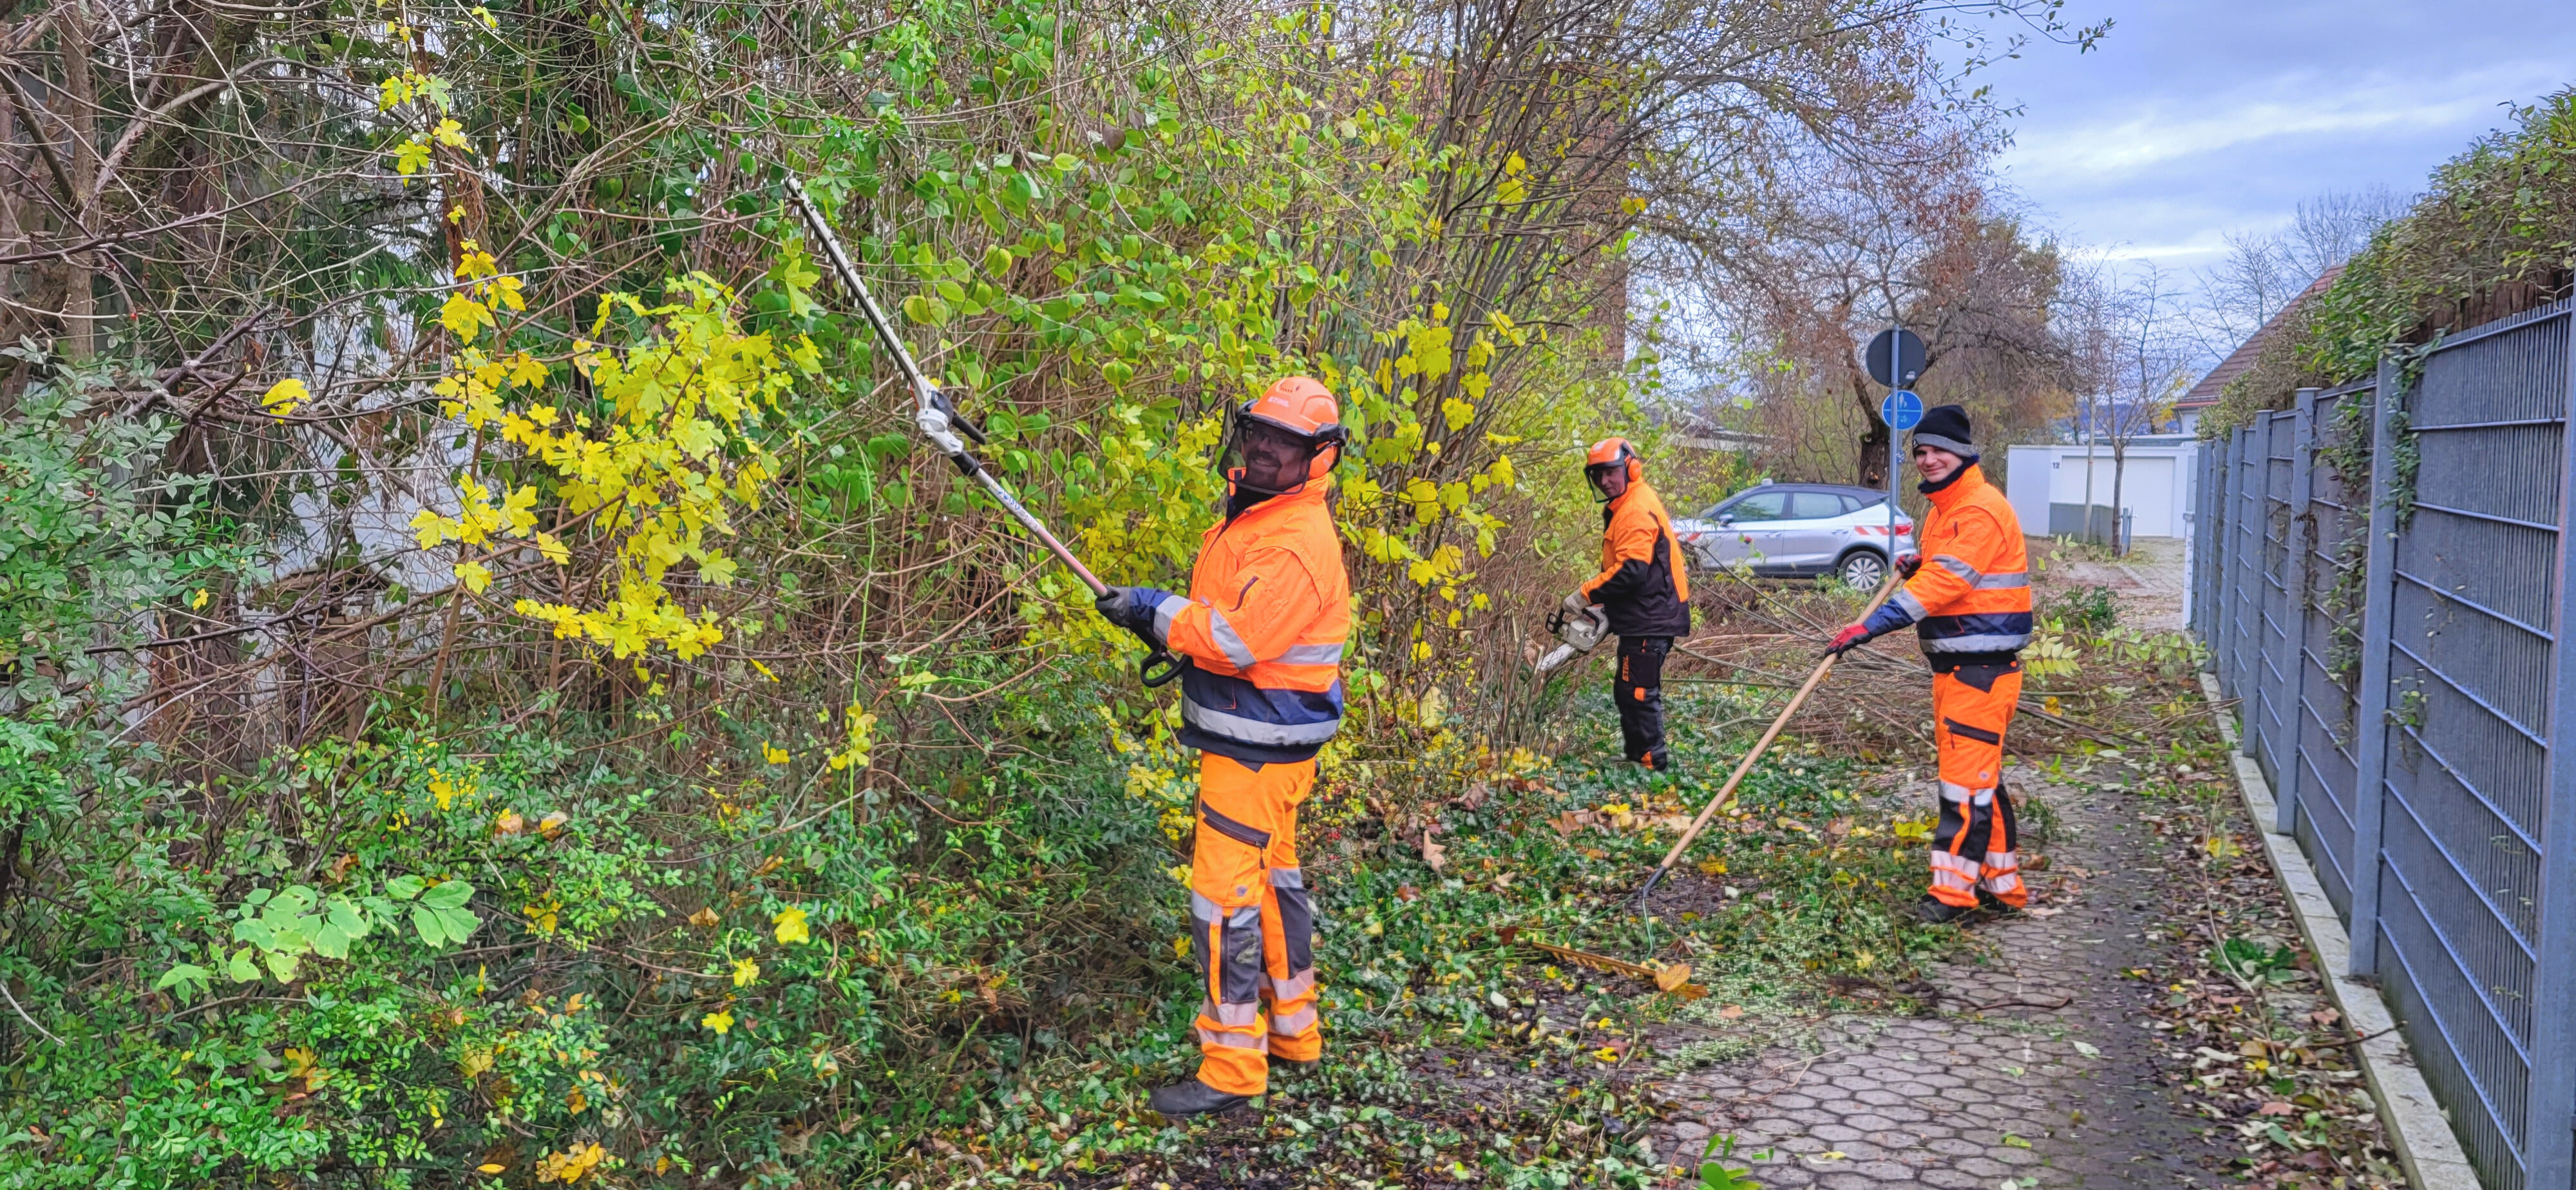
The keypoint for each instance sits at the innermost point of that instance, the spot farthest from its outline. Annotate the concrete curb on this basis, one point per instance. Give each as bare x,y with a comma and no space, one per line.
2417,1127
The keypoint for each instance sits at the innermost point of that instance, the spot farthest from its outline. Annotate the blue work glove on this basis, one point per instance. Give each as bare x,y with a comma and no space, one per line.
1132,608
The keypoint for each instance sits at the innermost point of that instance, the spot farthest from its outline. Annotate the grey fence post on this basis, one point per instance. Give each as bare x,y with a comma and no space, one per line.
2370,719
2294,583
2217,509
2249,586
2549,1145
2230,590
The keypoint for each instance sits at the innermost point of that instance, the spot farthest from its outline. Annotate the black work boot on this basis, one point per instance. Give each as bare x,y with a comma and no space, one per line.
1190,1097
1990,903
1938,912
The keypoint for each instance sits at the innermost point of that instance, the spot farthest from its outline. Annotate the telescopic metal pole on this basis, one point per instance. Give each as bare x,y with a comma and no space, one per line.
934,414
939,421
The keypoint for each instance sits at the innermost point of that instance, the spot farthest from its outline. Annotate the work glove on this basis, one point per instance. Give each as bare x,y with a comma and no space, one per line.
1132,608
1907,564
1576,603
1851,637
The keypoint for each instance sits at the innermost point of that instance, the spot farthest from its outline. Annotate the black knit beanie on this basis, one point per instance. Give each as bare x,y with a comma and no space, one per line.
1946,426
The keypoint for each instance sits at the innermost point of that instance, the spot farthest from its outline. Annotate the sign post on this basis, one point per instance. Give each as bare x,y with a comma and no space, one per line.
1895,358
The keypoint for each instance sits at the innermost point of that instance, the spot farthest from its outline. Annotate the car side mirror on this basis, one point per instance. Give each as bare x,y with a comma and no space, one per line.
1726,518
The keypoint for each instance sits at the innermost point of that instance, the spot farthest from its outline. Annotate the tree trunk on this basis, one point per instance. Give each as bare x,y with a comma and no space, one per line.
80,300
2119,472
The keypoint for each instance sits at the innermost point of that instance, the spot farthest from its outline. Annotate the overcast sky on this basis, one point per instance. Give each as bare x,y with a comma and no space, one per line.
2199,117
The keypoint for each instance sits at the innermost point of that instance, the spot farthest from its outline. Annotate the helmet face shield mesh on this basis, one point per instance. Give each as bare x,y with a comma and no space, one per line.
1267,458
1609,479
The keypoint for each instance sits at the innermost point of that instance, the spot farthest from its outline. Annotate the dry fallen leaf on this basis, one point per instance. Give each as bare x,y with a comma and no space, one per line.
1672,976
1712,867
703,918
1432,853
1731,1011
553,824
1475,795
509,823
1406,892
2276,1108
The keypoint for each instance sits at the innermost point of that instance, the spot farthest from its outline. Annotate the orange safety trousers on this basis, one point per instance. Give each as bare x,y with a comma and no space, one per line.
1253,923
1974,844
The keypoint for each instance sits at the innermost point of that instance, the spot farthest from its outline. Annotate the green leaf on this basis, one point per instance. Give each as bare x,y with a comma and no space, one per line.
189,978
460,923
257,931
282,965
451,895
240,966
346,918
432,930
331,942
403,888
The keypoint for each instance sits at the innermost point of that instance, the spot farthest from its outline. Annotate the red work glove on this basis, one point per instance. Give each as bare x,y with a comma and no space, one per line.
1907,564
1851,637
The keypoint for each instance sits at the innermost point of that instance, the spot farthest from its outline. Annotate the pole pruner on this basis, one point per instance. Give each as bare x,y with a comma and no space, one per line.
939,420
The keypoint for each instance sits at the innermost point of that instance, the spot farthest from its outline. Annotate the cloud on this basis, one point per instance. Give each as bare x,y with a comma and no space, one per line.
2304,106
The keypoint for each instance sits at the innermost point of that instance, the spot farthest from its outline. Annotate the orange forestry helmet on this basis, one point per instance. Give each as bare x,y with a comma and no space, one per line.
1277,442
1609,456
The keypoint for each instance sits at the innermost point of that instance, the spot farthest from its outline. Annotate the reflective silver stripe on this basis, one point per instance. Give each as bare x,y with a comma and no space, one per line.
1905,601
1952,880
1312,655
1294,1023
1240,1041
1246,918
1203,910
1231,1014
1996,642
1944,861
1968,574
1254,731
2003,582
1287,878
1949,792
2001,861
1293,986
1163,613
1999,885
1235,650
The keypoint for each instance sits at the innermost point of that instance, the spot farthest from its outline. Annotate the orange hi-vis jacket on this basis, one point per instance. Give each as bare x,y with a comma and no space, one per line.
1972,595
1268,612
1644,585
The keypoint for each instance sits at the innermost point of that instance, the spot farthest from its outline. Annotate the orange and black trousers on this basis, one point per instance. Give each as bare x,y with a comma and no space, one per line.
1252,923
1975,844
1638,691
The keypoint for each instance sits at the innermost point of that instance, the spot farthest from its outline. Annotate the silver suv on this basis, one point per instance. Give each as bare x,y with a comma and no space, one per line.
1797,529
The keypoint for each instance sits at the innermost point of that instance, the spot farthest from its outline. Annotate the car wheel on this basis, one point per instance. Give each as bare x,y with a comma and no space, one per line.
1862,570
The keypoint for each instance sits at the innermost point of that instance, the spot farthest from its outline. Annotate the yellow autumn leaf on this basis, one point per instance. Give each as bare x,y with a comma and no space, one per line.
526,372
745,972
282,397
199,599
464,317
451,134
721,1022
1181,947
791,925
488,1168
476,576
773,753
410,155
553,549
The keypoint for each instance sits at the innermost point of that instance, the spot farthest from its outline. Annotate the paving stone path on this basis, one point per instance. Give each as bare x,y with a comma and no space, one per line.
1997,1090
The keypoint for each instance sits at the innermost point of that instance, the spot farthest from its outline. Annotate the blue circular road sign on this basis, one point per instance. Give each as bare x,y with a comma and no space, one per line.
1902,410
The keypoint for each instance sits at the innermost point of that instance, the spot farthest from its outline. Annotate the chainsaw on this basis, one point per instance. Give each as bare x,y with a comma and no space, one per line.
1576,635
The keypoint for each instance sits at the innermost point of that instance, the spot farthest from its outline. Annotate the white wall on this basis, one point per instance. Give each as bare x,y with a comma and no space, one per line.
2155,491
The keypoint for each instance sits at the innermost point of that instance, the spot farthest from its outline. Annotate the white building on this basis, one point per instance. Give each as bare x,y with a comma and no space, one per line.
2046,486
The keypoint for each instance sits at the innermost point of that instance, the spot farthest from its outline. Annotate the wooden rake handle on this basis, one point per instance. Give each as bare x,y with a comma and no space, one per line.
1726,794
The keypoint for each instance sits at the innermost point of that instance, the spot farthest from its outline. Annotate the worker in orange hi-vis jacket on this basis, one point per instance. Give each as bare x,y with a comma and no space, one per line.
1643,590
1969,601
1262,630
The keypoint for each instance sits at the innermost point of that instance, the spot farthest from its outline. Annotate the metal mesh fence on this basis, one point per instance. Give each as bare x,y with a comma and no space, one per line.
2379,576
